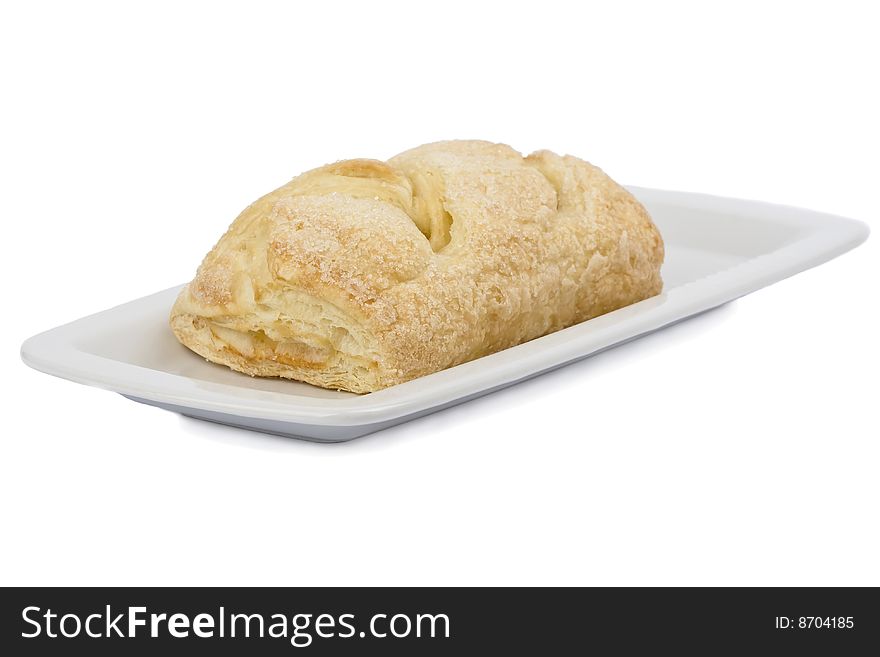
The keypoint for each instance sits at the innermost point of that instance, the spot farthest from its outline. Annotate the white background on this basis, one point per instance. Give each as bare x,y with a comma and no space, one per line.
738,448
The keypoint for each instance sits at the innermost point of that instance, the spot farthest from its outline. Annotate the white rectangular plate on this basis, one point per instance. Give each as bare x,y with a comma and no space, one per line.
717,249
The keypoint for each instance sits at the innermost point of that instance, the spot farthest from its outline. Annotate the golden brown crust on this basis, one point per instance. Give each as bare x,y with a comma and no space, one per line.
363,274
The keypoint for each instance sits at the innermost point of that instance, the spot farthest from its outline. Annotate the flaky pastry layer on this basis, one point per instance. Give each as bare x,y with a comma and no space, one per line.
364,274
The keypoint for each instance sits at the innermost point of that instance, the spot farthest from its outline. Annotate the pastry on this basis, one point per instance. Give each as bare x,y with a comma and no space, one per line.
364,274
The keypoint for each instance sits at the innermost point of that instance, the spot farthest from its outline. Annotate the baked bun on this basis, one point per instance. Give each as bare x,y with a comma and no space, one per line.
364,274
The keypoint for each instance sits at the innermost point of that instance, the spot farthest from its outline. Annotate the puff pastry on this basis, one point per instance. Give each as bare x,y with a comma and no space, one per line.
364,274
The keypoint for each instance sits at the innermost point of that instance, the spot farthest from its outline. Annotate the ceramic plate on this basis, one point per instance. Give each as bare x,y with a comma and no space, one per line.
717,249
